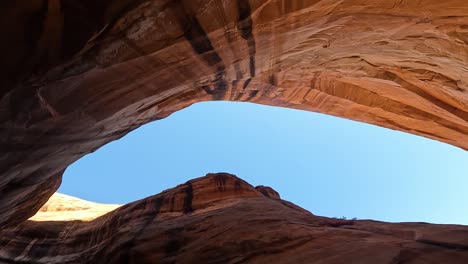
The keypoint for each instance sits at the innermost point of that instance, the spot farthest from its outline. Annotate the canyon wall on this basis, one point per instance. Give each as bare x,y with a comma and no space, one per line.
220,218
78,74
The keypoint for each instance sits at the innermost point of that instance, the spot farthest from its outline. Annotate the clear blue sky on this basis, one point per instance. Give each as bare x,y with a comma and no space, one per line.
327,165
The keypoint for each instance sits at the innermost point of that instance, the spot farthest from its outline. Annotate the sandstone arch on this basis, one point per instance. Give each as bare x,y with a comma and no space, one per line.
78,74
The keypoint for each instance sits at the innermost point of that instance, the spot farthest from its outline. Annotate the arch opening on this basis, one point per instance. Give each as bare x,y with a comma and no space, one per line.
330,166
88,84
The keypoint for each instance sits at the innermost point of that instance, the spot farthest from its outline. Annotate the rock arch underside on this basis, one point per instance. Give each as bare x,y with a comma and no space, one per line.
77,74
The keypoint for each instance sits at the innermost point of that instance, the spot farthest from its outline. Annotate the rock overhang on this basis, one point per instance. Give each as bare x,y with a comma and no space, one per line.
70,87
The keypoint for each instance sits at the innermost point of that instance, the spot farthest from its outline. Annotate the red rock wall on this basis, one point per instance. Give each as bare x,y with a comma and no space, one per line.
222,219
76,75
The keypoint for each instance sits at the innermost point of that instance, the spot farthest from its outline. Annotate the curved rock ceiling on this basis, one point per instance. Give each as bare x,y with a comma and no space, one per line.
78,74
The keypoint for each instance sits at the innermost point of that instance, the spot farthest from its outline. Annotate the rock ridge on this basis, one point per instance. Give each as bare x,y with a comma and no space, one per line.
220,218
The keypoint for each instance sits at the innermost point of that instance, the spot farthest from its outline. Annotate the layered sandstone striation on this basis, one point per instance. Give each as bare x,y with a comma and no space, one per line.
220,218
78,74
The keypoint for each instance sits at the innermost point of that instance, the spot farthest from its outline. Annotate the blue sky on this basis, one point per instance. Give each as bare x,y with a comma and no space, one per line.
330,166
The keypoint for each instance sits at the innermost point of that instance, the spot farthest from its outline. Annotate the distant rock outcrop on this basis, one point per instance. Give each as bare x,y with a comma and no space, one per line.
220,218
268,192
61,207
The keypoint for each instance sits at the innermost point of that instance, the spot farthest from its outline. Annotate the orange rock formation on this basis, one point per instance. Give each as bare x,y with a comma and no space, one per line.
223,219
78,74
61,207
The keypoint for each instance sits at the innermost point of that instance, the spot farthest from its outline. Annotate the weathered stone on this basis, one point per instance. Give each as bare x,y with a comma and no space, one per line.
78,74
222,219
61,207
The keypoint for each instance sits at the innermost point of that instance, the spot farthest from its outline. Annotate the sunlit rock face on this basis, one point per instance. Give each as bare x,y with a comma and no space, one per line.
220,218
78,74
61,207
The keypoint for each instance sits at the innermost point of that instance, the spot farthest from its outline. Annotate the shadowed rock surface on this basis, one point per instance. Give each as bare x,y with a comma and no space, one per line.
77,74
220,218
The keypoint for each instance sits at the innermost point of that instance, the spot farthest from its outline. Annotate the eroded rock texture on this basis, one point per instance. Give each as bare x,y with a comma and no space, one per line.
77,74
223,219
